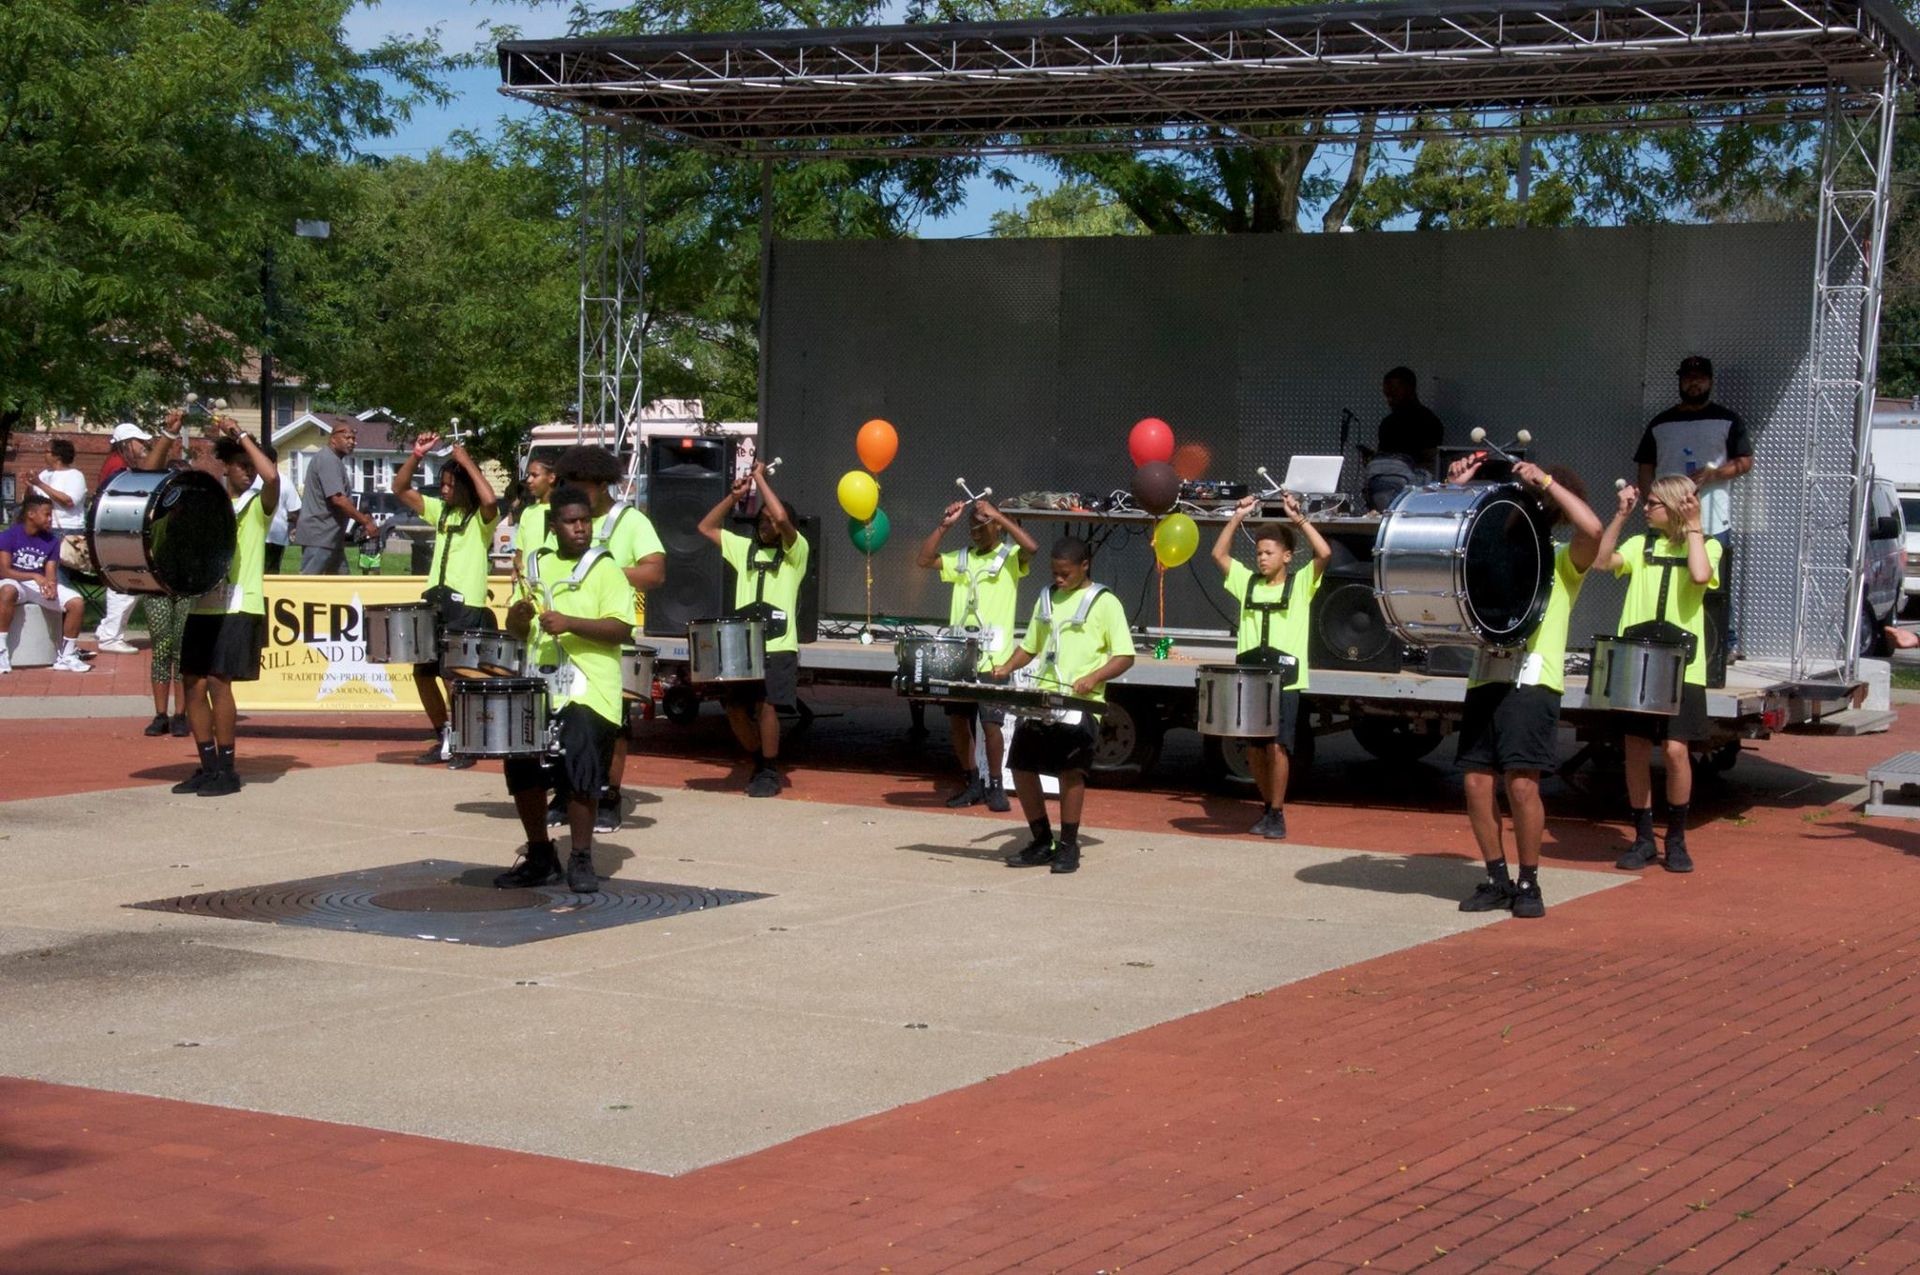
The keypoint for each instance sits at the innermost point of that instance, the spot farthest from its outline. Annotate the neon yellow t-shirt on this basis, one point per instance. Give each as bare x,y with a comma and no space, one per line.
1686,601
782,580
531,534
1286,630
1543,660
242,593
986,595
1082,648
460,542
601,594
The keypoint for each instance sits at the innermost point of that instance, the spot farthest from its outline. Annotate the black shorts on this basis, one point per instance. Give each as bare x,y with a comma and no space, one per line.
455,617
586,750
991,714
1507,728
1289,720
1689,725
223,646
1053,748
781,688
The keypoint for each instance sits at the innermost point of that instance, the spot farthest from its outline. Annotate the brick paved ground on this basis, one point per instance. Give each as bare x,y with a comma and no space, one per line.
1695,1073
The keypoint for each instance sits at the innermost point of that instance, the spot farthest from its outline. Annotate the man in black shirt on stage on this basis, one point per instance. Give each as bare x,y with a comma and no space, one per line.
1410,436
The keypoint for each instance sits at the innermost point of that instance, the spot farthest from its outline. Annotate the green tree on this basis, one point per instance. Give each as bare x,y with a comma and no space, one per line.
150,154
1069,209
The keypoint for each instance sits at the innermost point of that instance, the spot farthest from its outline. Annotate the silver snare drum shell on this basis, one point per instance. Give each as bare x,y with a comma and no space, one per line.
636,672
399,633
733,649
946,657
1637,675
498,717
481,653
162,532
1238,701
1463,564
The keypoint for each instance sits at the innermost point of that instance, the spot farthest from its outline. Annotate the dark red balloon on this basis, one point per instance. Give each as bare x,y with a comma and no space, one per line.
1151,442
1156,487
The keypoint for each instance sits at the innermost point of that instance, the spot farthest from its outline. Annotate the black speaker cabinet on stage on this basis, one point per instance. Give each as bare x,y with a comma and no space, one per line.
1718,605
1346,630
685,478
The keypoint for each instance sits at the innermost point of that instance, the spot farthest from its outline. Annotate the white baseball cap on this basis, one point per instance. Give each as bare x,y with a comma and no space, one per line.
127,429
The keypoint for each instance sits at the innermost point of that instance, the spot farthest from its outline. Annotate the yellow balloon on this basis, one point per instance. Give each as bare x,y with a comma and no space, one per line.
1175,539
859,494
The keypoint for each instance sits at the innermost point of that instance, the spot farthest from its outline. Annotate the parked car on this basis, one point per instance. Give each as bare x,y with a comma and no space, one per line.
1886,564
1910,514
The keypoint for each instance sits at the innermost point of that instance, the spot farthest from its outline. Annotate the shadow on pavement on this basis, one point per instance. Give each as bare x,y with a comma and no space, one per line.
1396,874
106,1252
255,768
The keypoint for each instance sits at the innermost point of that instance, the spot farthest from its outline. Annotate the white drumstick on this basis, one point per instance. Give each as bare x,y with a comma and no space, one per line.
1524,437
1619,484
984,493
1477,434
961,483
773,464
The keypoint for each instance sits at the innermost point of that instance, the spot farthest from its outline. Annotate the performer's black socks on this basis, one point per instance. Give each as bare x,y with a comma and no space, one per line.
209,756
1069,834
1498,874
1042,830
1643,823
1677,821
1528,875
226,761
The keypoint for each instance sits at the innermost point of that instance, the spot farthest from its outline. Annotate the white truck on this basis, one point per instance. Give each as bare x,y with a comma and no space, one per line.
1896,460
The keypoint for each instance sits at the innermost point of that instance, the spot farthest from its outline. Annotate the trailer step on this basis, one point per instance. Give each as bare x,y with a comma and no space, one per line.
1901,773
1849,721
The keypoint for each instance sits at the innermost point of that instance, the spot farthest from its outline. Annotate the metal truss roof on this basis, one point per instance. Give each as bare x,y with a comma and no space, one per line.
1063,83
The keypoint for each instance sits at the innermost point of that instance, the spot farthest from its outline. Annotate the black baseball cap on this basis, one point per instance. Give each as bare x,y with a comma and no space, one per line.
1696,363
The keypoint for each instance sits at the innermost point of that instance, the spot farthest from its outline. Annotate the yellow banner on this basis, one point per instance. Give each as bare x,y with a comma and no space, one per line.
316,655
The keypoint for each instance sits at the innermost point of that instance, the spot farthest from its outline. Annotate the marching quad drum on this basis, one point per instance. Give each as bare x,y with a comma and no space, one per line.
400,633
925,660
1241,701
636,672
162,532
733,649
1637,674
1472,565
498,717
482,653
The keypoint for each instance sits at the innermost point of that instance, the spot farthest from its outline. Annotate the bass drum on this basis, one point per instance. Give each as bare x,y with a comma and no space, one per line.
1463,565
162,532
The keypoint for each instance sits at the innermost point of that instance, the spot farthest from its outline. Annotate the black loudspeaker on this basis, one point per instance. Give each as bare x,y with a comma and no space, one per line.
1718,605
685,478
809,617
1346,630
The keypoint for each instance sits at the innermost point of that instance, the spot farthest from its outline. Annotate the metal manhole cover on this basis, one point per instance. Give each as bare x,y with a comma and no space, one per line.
443,901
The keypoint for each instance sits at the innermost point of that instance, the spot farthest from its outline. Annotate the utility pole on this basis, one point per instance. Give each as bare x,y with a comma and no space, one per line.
305,229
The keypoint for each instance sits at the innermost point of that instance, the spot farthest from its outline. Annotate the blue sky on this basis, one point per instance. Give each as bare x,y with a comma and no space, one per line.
477,102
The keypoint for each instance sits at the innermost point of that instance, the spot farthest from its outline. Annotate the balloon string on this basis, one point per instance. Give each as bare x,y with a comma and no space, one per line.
868,557
1163,596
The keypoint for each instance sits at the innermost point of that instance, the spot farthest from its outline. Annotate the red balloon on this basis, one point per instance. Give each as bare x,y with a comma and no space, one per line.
1151,442
1156,487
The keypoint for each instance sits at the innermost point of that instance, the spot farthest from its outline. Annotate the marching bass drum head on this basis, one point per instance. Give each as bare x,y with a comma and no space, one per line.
1509,567
181,526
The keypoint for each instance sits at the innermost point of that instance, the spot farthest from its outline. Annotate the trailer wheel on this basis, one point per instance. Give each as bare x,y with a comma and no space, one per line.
681,704
1129,741
1724,758
1391,739
1226,760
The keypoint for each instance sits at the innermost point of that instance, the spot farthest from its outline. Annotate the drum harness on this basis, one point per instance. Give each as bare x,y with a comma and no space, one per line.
970,618
760,609
552,674
438,593
1050,654
1660,628
1265,653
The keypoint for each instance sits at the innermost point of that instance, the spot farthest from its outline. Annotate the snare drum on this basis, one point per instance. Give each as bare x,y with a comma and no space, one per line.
1637,674
733,649
400,633
1455,565
479,653
166,531
498,717
636,672
947,657
1241,701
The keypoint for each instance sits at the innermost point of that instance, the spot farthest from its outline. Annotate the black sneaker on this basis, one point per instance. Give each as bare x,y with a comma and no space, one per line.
1527,901
1678,860
1066,857
580,875
432,757
997,798
1032,855
1259,828
223,783
193,782
180,728
1639,855
158,726
460,763
972,795
765,783
1489,896
1276,829
607,817
538,865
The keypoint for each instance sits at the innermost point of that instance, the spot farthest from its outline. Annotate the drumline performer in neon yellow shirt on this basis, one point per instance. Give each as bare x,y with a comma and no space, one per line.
227,628
579,616
1509,728
629,537
1079,634
985,575
530,530
1275,608
1660,592
462,517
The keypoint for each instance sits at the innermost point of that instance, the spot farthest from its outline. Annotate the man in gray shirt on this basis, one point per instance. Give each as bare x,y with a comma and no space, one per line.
326,508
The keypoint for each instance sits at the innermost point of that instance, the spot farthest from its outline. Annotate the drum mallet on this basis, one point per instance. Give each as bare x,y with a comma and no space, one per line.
1521,439
973,498
772,465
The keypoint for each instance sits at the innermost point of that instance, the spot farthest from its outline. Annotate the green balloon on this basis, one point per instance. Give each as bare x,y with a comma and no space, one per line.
868,536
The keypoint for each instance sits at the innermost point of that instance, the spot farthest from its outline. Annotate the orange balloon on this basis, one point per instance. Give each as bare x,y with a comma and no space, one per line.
876,444
1192,460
